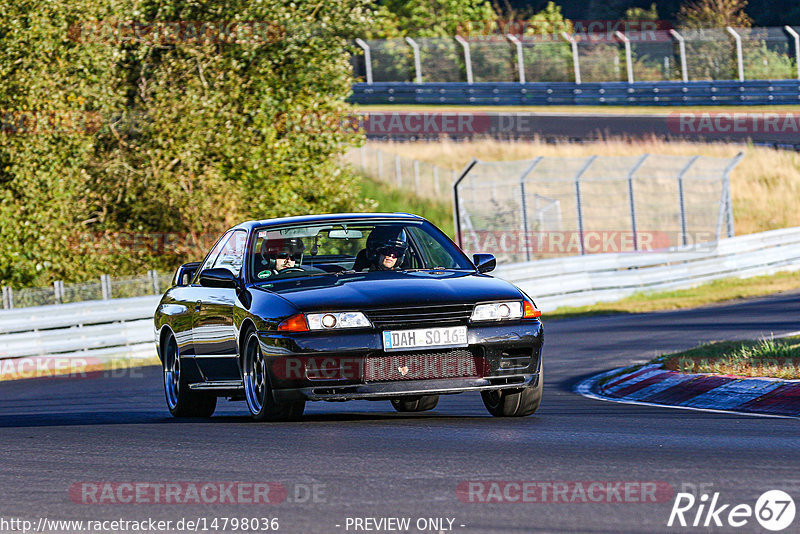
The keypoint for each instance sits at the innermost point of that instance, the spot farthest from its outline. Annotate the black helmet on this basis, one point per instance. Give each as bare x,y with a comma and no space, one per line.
386,238
274,247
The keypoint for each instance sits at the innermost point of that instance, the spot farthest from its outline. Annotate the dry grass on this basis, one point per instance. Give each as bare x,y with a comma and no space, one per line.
765,185
776,358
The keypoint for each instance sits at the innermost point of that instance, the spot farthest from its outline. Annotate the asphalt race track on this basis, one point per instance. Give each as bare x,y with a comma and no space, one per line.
368,461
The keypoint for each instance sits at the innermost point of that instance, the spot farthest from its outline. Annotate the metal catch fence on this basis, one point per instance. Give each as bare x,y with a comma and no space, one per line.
769,53
106,288
525,210
423,178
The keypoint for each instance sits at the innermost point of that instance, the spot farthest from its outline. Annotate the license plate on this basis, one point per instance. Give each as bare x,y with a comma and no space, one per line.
443,336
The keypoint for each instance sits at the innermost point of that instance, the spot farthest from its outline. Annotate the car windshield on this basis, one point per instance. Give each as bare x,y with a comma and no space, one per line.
342,247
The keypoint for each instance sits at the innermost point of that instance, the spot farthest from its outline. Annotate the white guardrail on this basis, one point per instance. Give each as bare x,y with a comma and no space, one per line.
124,327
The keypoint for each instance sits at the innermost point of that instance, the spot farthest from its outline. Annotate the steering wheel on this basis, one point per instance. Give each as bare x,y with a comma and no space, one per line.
292,270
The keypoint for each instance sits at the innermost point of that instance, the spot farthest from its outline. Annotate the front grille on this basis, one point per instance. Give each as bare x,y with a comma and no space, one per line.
420,316
453,363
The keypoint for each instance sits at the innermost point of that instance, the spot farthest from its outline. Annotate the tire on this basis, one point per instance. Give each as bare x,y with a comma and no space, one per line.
257,390
182,401
415,404
514,402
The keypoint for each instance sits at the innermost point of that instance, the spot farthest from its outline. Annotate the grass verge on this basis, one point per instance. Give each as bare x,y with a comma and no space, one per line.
774,358
712,293
383,197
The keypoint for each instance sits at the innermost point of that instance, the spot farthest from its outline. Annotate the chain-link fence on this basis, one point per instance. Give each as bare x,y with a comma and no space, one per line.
659,55
424,179
523,210
106,287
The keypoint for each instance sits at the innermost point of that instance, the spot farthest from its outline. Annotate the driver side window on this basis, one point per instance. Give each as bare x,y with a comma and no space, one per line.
231,255
212,256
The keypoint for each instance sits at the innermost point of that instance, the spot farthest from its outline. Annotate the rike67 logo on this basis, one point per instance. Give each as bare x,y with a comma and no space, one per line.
774,510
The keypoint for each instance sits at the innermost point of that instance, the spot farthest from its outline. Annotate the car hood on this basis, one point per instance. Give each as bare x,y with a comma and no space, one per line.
391,289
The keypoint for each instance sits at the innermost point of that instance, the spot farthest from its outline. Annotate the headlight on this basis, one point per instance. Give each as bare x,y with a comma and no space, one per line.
333,320
497,311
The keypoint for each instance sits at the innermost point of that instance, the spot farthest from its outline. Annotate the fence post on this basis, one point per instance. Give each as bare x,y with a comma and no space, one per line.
578,199
576,65
367,59
8,298
726,181
681,197
154,278
363,158
58,291
467,58
682,50
456,207
520,60
796,38
628,55
436,179
739,60
524,206
398,172
416,176
417,62
105,286
379,158
632,199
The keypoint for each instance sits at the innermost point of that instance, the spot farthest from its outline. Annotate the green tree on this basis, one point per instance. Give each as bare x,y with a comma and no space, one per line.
196,134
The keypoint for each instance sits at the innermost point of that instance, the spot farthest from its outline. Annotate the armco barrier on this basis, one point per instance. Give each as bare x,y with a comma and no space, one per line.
584,280
124,327
700,93
103,329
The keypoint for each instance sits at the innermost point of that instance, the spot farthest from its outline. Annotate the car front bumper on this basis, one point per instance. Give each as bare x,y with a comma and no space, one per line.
391,390
507,356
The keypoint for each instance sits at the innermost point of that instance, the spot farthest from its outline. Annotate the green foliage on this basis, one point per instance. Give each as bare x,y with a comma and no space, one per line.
549,21
196,135
441,18
640,13
714,14
551,59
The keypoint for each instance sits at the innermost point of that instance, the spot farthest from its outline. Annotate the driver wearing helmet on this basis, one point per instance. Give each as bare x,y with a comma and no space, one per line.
386,248
280,254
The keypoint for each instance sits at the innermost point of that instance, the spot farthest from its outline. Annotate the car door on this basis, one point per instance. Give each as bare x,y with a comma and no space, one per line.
214,333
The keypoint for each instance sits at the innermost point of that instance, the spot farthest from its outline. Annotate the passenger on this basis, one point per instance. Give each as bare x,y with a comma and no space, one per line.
386,248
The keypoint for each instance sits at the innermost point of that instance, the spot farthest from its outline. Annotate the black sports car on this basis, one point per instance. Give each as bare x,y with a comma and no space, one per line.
340,307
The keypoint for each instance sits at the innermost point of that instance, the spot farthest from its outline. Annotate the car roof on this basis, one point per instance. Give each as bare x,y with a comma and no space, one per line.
329,217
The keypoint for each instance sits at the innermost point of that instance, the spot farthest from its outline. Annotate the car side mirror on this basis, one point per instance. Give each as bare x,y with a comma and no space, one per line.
185,273
218,277
484,262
